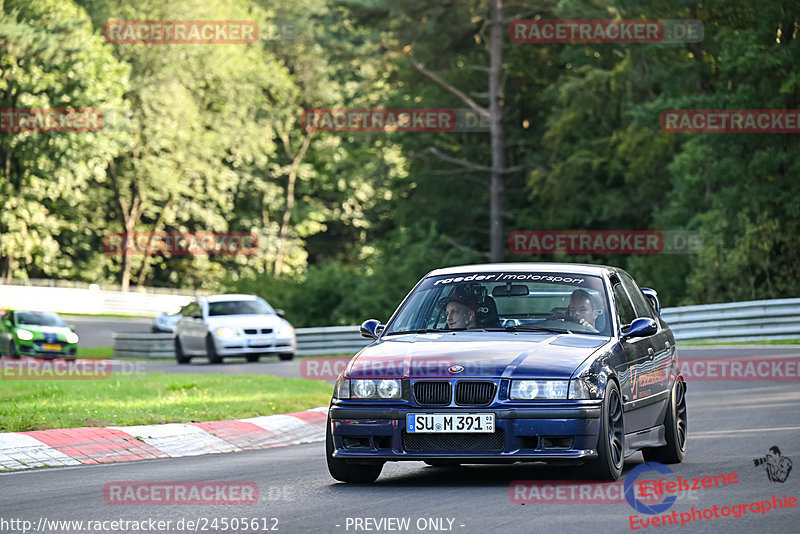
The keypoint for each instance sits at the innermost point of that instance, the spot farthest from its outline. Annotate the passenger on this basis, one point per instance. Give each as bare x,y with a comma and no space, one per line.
582,309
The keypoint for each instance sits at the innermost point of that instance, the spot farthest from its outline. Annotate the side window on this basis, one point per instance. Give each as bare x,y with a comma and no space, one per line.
640,303
623,304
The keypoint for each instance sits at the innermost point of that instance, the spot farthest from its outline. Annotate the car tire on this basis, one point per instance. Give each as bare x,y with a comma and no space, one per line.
12,351
611,441
252,357
181,356
346,472
286,357
675,428
211,351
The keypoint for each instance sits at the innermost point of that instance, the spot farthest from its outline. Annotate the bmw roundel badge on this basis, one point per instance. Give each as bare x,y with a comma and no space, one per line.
456,368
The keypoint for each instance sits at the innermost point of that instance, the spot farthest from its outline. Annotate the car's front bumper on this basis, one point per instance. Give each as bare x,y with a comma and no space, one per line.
548,434
36,349
254,344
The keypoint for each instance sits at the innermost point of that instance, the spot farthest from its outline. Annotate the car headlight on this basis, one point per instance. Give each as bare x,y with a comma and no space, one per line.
539,389
580,388
72,337
226,331
24,335
368,389
285,330
342,389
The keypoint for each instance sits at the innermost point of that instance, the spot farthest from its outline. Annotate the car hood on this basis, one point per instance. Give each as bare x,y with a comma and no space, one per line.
245,321
476,354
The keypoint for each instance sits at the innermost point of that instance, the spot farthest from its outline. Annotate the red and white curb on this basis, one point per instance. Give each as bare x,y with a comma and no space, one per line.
94,445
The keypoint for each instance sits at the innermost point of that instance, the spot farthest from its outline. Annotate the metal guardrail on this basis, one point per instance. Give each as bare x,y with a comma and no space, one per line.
755,320
329,340
136,345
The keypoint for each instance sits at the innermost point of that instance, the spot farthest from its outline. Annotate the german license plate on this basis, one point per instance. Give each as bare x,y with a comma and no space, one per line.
258,341
447,422
51,347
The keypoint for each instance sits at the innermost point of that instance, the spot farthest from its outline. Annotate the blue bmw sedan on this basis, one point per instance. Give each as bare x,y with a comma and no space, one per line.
520,362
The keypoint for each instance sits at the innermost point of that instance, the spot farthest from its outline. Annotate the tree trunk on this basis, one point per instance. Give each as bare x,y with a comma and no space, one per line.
287,213
156,228
128,215
496,187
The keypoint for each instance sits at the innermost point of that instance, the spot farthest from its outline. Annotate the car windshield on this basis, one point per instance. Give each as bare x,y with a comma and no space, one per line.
239,307
39,319
514,302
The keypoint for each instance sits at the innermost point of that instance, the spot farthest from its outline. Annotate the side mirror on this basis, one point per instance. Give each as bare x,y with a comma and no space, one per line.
640,327
280,313
71,327
371,328
652,296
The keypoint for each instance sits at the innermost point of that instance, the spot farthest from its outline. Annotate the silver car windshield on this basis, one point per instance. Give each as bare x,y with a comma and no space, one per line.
239,307
514,302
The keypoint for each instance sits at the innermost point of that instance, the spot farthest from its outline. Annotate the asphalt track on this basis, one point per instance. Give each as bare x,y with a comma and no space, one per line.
730,425
98,331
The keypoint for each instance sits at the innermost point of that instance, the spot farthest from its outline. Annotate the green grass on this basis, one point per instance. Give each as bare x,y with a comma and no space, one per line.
152,398
758,342
95,353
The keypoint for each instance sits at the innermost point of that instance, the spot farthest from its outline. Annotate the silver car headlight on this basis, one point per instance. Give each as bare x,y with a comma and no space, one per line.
72,337
539,389
226,332
368,389
285,330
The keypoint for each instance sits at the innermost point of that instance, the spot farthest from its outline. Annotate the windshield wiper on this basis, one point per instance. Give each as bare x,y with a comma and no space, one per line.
535,328
422,331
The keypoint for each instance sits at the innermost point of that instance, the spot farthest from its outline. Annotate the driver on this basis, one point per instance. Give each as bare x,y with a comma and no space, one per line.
460,311
582,309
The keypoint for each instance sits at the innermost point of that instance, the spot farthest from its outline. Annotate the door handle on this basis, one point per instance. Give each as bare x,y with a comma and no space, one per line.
650,352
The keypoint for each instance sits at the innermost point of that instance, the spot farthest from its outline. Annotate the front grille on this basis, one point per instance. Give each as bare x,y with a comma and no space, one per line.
432,392
474,393
252,331
454,442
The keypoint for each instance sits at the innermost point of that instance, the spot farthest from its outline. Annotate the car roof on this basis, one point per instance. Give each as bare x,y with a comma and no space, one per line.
225,298
573,268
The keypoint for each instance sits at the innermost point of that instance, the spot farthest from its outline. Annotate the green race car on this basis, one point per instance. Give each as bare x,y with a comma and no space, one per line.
39,334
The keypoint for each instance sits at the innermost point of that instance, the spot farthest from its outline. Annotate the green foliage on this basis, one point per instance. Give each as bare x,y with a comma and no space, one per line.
217,132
